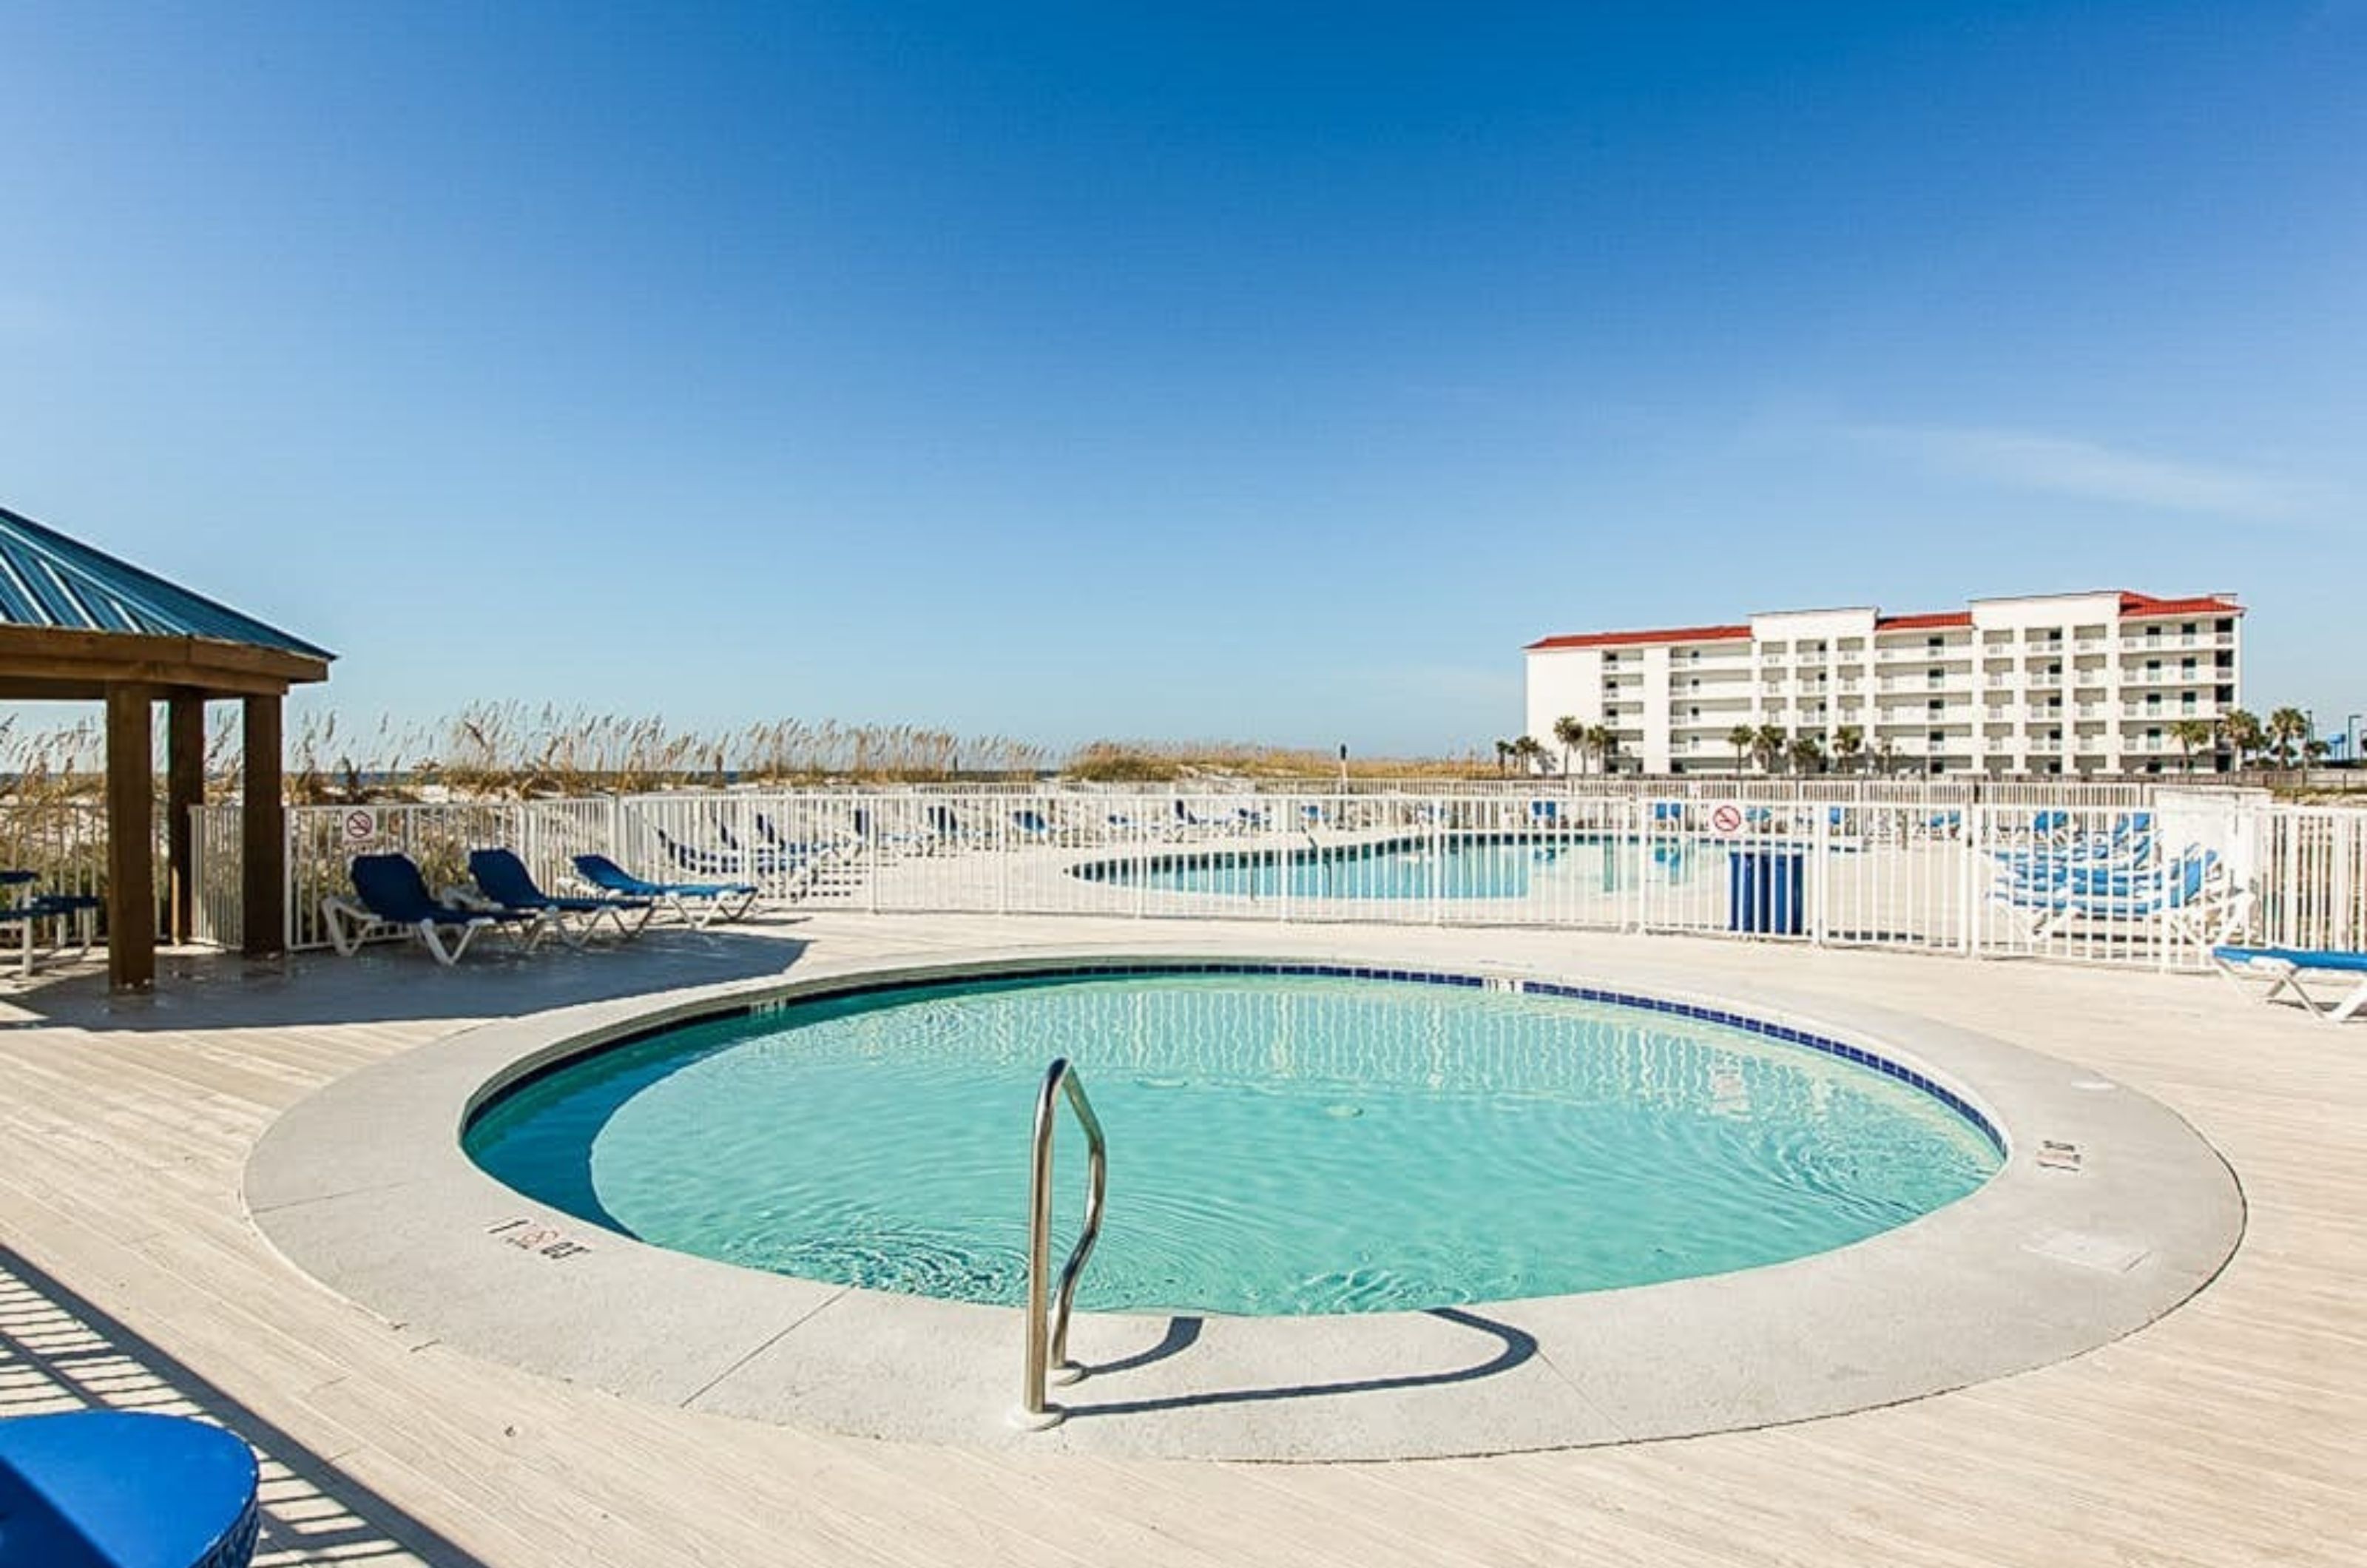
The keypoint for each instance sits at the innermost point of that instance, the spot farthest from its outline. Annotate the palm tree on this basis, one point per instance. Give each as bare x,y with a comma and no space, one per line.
1742,738
2287,729
1504,756
1603,741
1807,754
1767,745
1568,730
2191,733
2314,750
1885,755
1848,741
1528,748
2243,734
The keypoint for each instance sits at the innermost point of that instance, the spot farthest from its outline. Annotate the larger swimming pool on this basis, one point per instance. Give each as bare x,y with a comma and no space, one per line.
1281,1140
1467,865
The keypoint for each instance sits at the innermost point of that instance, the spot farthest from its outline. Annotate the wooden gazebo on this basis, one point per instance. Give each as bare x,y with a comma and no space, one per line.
78,624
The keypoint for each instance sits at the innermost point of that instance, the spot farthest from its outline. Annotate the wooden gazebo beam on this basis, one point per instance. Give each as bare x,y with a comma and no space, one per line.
48,663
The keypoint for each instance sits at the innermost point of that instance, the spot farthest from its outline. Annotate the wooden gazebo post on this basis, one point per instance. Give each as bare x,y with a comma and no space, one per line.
130,841
185,791
263,834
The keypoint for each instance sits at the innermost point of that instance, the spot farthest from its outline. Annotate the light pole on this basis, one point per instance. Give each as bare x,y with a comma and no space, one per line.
1343,767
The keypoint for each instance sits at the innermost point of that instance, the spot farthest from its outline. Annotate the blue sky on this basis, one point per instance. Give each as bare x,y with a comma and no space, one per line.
1222,371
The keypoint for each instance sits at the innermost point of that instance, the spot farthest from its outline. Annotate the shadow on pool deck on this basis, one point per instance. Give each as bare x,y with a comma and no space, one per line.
1515,1348
58,1352
394,982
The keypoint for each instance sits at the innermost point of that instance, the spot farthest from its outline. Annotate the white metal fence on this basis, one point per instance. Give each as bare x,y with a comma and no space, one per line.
2110,874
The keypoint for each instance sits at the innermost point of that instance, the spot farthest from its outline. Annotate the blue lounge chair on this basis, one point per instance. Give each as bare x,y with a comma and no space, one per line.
2051,859
2090,874
1032,826
1188,820
732,863
2181,893
700,904
781,842
504,878
2284,967
392,897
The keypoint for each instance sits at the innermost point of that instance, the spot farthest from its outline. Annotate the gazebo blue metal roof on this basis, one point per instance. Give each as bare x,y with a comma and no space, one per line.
50,580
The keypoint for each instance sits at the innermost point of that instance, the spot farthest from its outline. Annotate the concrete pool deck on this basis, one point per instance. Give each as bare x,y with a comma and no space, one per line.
365,1186
2232,1430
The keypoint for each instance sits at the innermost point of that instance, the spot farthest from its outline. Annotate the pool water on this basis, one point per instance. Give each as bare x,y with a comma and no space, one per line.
1463,867
1279,1143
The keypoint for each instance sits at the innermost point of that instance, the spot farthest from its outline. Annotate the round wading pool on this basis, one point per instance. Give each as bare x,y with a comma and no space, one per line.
1284,1139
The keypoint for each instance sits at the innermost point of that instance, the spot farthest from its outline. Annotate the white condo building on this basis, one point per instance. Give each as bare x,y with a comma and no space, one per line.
2051,683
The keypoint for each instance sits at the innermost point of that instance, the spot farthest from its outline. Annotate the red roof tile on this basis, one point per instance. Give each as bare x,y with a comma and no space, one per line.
2139,606
1622,639
1912,622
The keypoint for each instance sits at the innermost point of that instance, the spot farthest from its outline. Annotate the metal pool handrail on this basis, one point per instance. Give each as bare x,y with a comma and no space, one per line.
1047,1330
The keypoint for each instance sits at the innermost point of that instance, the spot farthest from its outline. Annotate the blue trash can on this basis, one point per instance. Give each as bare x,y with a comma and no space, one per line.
1763,890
